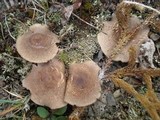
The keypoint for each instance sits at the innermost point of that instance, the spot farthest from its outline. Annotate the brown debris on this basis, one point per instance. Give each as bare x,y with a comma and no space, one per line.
83,86
123,15
38,44
76,114
46,83
155,23
149,100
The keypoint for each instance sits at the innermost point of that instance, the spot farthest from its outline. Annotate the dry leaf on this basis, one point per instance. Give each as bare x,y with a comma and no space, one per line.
67,11
77,4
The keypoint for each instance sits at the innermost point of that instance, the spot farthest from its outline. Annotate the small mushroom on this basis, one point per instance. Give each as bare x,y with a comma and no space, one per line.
46,83
37,45
83,86
109,42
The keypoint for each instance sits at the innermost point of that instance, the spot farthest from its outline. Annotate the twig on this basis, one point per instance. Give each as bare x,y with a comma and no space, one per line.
5,54
24,116
79,18
38,4
7,5
88,23
2,31
65,32
145,6
20,22
45,21
13,94
35,9
9,29
54,2
4,112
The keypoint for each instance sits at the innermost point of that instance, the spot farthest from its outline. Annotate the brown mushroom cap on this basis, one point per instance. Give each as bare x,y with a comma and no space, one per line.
109,41
83,85
46,83
38,44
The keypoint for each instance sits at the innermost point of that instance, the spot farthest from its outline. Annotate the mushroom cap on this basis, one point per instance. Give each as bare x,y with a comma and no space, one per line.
83,86
109,41
37,45
46,83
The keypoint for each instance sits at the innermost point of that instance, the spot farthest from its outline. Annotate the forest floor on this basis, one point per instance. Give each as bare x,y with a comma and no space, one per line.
78,31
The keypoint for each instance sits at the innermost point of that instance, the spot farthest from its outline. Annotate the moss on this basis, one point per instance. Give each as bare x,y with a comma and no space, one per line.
63,56
54,17
13,66
88,6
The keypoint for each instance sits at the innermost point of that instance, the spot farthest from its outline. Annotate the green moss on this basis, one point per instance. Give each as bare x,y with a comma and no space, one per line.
54,17
88,6
63,56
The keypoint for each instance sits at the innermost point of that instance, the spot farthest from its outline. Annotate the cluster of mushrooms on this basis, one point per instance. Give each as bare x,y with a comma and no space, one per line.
47,81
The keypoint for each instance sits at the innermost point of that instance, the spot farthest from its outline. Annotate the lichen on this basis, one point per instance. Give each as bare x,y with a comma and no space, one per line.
83,48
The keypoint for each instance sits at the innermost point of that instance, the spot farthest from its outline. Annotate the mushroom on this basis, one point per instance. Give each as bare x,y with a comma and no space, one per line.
108,42
83,85
46,83
37,45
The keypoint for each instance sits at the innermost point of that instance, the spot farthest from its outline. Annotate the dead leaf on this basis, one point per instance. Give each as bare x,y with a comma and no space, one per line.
67,11
77,4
